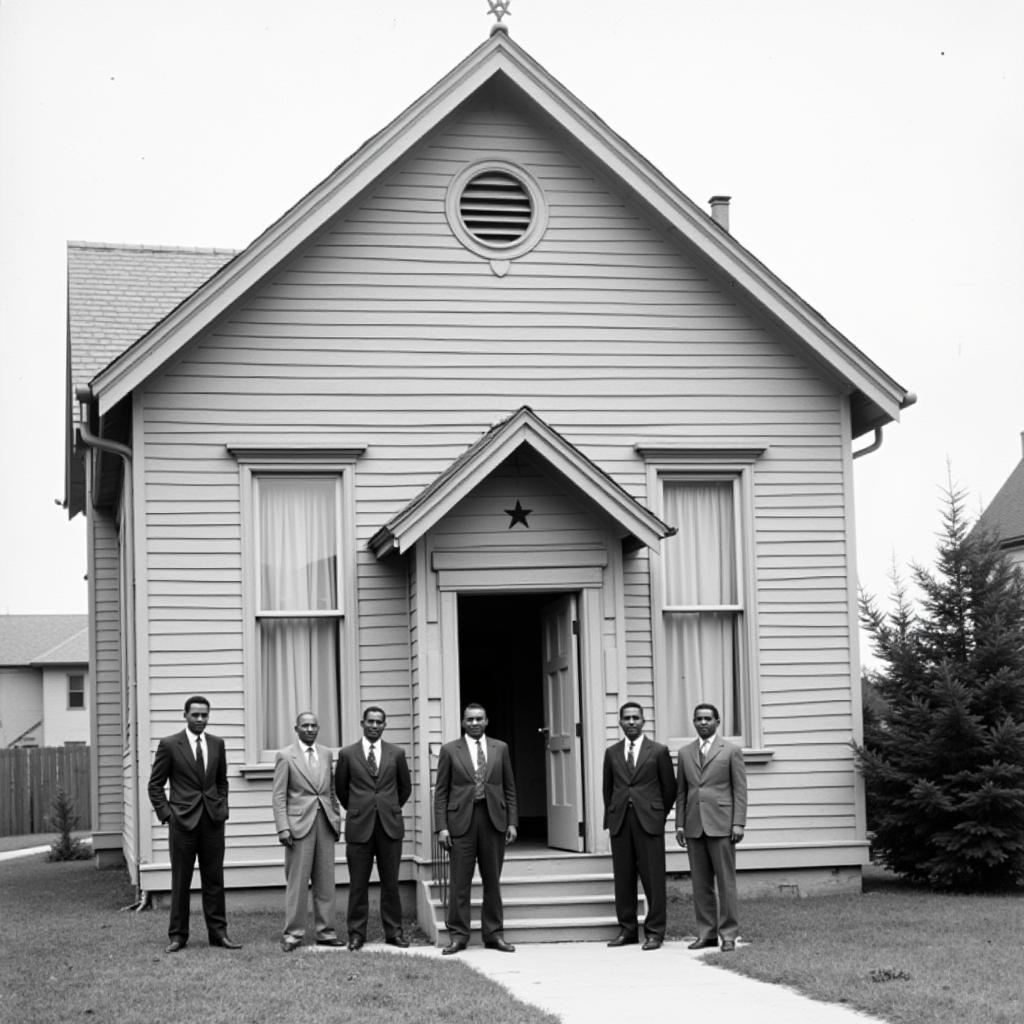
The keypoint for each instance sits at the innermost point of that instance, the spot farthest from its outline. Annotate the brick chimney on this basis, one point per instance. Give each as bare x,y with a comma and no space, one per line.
720,211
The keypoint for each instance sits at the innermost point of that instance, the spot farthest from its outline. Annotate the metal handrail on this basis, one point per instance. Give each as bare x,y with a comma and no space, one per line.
439,860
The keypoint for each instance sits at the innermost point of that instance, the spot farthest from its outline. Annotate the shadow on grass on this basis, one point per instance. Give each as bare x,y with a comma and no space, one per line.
71,953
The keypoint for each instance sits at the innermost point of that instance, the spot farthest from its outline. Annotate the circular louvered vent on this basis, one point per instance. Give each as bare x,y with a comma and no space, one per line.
497,211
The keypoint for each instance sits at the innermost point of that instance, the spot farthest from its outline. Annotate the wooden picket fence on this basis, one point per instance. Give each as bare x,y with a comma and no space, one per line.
29,780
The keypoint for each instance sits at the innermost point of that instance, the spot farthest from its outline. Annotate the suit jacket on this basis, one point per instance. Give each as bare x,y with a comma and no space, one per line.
190,793
651,787
453,791
299,791
710,800
366,798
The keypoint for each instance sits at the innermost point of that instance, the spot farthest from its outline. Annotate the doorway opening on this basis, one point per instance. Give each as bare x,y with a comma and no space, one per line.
502,666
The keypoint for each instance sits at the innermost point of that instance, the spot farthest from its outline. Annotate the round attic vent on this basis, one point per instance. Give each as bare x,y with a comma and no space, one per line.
496,210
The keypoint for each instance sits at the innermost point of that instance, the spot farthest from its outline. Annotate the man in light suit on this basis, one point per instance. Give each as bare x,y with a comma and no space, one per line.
476,814
711,814
308,823
373,784
639,789
194,763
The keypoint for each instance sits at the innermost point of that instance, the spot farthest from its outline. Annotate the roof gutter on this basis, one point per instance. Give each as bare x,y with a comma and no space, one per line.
909,399
85,399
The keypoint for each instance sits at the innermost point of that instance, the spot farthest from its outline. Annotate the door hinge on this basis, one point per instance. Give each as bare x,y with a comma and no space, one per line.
575,627
579,828
579,730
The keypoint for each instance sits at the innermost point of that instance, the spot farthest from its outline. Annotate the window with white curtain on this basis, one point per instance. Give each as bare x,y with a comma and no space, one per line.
298,606
702,602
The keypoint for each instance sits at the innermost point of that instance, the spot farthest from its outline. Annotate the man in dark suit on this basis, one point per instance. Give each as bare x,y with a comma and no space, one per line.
194,763
476,814
711,814
373,784
638,792
308,822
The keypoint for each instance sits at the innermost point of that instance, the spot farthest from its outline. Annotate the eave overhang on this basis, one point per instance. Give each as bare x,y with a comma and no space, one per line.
637,524
875,397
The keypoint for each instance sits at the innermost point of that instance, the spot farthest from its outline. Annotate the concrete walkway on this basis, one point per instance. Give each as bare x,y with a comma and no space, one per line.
587,983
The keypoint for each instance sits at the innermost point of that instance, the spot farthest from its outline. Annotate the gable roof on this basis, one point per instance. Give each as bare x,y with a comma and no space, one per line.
1004,516
875,397
43,640
524,427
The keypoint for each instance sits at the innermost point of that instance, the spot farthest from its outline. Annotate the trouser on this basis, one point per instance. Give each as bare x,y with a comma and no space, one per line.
310,860
360,857
638,854
713,858
206,843
481,845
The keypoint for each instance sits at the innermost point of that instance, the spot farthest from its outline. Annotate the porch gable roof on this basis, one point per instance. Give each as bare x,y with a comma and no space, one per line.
876,398
639,525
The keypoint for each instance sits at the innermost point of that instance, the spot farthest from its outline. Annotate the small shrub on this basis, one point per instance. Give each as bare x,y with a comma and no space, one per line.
64,821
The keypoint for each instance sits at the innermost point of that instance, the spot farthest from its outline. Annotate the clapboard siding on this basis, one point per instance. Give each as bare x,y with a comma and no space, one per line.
384,330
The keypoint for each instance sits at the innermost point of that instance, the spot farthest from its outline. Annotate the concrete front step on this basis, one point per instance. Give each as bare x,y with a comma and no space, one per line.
543,886
547,930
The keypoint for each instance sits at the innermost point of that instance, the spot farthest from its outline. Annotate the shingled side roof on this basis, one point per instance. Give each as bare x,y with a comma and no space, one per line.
43,640
116,294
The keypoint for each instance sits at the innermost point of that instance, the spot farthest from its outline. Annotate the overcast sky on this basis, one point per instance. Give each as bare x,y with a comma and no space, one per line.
874,150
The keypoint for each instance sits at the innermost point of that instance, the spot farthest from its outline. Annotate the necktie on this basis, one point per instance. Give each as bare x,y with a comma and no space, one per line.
703,752
630,760
481,767
371,760
200,760
311,754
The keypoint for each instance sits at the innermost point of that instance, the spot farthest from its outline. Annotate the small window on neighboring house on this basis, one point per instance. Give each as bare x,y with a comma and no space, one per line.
76,692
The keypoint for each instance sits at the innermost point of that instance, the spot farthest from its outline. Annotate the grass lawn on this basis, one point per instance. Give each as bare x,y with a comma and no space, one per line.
69,953
939,959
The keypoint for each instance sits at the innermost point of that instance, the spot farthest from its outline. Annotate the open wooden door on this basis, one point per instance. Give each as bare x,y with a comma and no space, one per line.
562,725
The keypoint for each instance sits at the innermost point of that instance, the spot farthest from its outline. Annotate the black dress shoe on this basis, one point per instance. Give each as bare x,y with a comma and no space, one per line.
703,943
728,945
622,939
224,942
398,940
651,943
456,946
331,942
287,946
356,942
500,945
174,946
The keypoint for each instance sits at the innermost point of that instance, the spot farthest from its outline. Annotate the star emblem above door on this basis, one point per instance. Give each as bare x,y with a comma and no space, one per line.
518,515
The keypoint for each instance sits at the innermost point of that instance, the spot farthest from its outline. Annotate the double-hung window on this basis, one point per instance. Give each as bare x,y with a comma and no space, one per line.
705,649
76,692
297,521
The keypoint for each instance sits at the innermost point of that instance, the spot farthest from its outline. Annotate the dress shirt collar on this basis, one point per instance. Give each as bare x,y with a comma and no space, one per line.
636,746
191,737
366,747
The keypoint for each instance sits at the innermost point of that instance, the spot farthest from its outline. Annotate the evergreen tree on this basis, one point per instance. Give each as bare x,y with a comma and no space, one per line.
943,753
64,821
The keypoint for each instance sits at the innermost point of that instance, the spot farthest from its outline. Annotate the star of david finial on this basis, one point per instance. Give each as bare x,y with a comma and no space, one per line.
499,8
518,515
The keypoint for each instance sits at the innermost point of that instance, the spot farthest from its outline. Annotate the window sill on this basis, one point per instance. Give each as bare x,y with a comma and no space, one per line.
257,772
757,755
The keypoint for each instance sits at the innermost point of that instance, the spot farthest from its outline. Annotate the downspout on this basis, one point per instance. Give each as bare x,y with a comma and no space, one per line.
84,397
909,399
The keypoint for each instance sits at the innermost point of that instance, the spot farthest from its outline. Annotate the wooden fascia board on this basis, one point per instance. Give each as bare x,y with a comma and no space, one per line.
303,220
634,519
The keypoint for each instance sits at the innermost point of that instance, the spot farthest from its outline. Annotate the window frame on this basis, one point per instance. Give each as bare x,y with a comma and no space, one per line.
255,462
70,691
737,466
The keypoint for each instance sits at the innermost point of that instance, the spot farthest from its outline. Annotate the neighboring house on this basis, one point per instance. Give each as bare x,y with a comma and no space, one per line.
1004,515
494,413
44,680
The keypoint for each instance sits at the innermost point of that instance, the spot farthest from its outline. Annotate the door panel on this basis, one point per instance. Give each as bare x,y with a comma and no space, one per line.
561,720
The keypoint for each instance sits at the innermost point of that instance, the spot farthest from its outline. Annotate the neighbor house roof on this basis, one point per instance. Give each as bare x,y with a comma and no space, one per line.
875,397
1004,516
43,640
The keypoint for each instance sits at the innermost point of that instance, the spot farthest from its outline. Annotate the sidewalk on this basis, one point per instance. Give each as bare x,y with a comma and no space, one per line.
587,983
